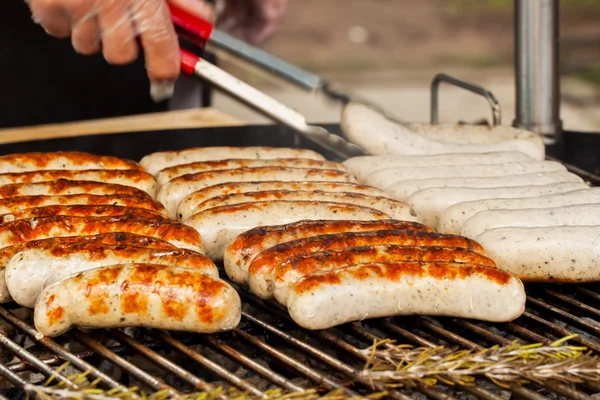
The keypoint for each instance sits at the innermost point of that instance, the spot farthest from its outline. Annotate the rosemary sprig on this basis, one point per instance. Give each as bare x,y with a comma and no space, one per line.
399,365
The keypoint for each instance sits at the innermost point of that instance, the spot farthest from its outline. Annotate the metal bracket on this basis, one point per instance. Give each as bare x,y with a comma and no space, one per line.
439,78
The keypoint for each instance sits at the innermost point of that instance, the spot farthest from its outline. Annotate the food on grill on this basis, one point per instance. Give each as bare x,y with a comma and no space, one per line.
402,190
240,253
331,298
177,189
66,187
262,268
455,216
32,269
15,204
296,267
395,209
117,238
430,203
138,295
73,160
25,230
219,226
387,177
165,175
134,178
363,166
378,135
187,205
81,211
574,215
155,162
566,254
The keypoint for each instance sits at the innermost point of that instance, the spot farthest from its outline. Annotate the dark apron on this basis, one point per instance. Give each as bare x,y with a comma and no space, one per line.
43,80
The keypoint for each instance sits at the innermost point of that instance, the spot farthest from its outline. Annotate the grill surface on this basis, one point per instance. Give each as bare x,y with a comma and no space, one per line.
268,350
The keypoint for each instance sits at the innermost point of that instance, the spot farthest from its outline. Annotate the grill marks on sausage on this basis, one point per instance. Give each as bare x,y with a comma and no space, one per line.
82,211
308,173
65,186
100,175
396,271
41,160
55,313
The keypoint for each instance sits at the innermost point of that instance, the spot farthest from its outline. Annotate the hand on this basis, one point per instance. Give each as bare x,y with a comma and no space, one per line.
112,27
251,20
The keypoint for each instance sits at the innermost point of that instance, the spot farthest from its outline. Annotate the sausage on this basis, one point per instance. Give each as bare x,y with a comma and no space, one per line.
332,298
298,266
562,254
25,230
575,215
403,190
430,203
66,187
188,204
454,217
177,189
167,174
81,211
118,238
152,296
240,253
76,160
378,135
363,166
156,162
134,178
393,208
385,178
15,204
30,269
262,268
219,226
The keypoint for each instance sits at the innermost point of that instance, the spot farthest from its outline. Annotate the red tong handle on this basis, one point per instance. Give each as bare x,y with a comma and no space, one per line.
191,27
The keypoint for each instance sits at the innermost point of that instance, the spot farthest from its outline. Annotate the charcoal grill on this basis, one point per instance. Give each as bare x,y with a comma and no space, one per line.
268,351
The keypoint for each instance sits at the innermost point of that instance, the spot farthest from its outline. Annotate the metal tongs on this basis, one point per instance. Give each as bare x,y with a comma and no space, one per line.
200,32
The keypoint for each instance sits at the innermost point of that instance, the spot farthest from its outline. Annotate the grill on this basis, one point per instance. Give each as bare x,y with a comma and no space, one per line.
268,351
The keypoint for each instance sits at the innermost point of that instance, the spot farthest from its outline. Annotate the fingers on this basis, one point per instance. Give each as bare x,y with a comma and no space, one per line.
86,32
118,34
52,16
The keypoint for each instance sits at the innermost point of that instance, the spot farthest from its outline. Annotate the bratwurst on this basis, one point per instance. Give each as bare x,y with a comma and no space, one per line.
332,298
27,271
248,245
76,160
81,211
66,187
152,296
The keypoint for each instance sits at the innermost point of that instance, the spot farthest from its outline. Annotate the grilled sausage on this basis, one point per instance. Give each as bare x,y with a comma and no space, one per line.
167,174
30,269
385,178
576,215
187,205
430,203
66,187
25,230
219,226
81,211
454,217
378,135
240,253
393,208
177,189
332,298
134,178
152,296
403,190
262,268
62,160
567,254
19,203
296,267
118,238
156,162
363,166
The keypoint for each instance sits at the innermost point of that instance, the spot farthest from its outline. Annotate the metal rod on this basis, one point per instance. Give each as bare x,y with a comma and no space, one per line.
537,68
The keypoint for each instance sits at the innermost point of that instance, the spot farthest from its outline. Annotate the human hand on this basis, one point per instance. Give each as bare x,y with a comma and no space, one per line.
251,20
112,27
